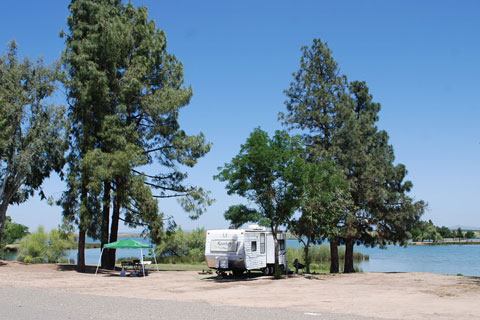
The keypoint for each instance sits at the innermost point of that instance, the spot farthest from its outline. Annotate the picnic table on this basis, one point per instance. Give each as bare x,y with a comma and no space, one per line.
136,266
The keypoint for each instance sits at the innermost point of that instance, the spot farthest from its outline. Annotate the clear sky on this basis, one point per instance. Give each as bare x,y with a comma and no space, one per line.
419,58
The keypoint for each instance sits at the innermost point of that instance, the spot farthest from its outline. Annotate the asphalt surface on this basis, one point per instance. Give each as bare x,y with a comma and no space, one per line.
43,304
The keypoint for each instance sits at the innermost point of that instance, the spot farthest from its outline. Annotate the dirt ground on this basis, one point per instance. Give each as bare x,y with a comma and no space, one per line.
382,295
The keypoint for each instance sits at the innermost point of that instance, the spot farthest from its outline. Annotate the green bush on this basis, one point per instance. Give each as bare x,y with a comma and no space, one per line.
40,247
183,247
13,232
470,234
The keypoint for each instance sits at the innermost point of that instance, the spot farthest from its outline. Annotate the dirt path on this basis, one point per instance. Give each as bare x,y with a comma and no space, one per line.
383,295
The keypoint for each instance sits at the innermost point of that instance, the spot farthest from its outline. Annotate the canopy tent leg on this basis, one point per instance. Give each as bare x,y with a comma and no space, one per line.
155,257
101,253
141,259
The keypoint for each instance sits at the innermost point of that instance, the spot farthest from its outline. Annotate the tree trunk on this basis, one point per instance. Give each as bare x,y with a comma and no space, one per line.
110,262
106,220
307,257
81,249
3,219
334,265
82,229
276,273
349,256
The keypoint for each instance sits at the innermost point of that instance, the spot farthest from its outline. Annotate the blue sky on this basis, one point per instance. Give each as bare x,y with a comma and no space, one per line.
420,60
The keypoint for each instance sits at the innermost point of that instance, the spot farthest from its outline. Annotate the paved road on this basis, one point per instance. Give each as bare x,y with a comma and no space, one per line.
48,304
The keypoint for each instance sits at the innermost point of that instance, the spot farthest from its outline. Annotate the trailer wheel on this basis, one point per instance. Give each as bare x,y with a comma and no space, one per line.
237,273
266,271
272,270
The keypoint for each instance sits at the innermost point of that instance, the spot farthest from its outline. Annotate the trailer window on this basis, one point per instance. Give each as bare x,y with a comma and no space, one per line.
262,242
223,245
254,246
281,244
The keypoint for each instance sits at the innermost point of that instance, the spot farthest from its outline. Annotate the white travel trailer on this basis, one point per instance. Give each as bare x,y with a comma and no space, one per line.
245,249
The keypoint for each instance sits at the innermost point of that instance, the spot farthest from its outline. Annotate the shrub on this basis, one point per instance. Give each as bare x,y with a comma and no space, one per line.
183,247
13,232
40,247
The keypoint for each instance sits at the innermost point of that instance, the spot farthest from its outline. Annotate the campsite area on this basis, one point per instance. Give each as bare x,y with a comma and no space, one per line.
377,295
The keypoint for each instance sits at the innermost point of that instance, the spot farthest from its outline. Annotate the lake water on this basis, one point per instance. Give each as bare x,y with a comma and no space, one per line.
446,259
92,255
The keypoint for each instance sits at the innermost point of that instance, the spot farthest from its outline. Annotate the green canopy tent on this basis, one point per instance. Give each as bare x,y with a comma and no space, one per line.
127,244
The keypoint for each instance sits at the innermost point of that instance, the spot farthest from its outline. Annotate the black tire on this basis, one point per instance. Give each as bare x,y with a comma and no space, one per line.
237,273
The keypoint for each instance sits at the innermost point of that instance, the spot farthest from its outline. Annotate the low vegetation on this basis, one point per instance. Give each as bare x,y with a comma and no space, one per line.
40,247
320,257
182,247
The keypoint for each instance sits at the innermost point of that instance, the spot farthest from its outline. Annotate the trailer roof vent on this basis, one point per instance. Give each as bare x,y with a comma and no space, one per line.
256,227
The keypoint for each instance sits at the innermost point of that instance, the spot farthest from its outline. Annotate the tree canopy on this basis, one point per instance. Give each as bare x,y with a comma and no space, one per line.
32,130
268,172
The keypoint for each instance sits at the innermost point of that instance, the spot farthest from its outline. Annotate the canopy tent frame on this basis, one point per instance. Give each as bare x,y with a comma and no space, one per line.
127,244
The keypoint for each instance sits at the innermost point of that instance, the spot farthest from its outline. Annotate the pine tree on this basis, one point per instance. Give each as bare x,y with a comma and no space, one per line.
125,93
338,119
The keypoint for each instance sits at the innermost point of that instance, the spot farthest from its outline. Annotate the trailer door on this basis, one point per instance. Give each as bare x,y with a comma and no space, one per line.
255,257
270,249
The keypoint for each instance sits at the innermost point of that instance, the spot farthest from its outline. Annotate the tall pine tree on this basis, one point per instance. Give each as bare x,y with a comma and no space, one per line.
125,91
338,120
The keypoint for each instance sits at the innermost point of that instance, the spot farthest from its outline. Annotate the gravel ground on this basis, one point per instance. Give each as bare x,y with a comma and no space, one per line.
43,304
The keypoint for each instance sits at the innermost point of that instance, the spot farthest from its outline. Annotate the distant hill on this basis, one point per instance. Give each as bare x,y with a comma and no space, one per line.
465,228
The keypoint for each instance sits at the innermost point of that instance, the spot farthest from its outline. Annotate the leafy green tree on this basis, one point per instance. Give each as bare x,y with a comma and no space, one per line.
268,172
125,93
338,119
181,246
459,234
470,234
324,207
445,232
13,231
240,214
426,230
32,131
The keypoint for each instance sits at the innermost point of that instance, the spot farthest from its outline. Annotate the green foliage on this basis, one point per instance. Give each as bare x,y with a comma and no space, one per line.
240,214
445,232
13,231
32,131
41,247
459,234
182,247
426,230
324,205
470,234
268,172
